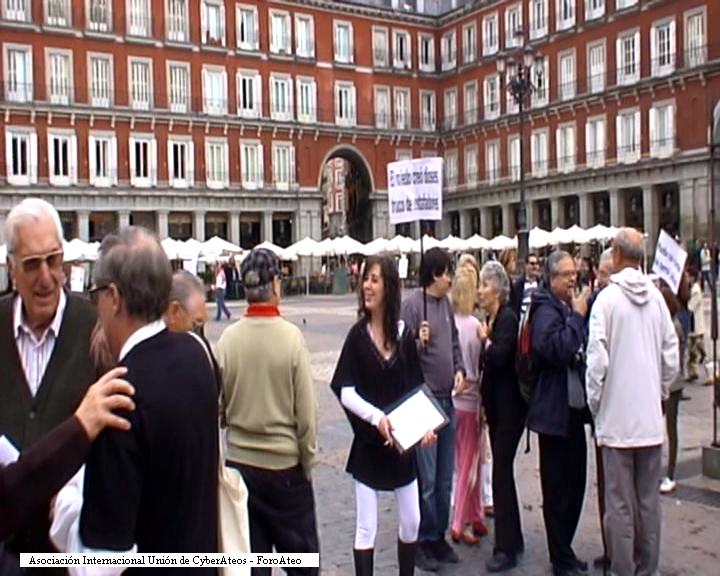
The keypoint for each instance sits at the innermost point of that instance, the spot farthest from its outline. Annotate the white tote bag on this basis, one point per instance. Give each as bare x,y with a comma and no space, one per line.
233,524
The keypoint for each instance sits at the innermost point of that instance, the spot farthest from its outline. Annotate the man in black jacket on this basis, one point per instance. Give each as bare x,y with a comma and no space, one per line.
525,285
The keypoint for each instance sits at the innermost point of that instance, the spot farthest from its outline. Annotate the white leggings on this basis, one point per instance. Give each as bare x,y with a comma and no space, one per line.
408,503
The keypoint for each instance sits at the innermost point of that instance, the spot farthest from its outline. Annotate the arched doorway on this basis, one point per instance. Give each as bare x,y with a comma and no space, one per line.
346,183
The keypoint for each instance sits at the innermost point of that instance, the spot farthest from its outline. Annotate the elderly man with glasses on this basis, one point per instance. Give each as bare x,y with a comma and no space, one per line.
44,348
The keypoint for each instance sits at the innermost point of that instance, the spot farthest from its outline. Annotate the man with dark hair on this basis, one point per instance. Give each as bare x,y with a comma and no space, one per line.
442,366
270,412
154,487
526,284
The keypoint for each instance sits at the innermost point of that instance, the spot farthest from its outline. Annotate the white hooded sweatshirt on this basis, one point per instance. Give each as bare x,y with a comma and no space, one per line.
632,358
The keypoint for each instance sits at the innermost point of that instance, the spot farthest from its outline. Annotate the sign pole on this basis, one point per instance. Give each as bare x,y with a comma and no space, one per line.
422,257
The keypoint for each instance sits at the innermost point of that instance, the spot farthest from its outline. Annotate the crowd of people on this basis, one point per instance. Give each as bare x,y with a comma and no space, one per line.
122,465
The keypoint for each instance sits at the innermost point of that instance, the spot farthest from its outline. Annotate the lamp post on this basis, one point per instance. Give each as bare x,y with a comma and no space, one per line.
519,65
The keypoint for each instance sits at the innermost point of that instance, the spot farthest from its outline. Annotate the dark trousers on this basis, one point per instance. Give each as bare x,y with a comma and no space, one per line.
504,439
601,495
563,472
672,405
281,510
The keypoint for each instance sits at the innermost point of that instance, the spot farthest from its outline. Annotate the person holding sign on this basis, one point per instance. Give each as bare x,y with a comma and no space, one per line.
378,366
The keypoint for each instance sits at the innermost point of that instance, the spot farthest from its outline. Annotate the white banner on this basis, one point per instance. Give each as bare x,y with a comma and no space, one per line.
77,279
669,260
415,190
147,560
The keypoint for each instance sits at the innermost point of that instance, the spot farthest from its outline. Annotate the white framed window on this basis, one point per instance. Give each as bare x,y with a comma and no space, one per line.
448,50
283,165
662,129
541,77
345,104
143,160
306,99
565,14
249,94
451,168
470,102
99,15
380,47
214,85
594,9
59,70
181,162
428,154
21,155
251,164
596,66
176,20
246,22
491,34
566,64
62,157
383,115
492,96
281,97
217,163
57,13
402,108
662,47
403,154
622,4
513,26
471,164
280,36
450,109
695,37
566,149
426,50
139,19
538,18
428,107
179,86
141,83
304,36
212,22
514,157
628,136
595,138
628,57
539,152
17,10
100,79
469,43
402,50
344,42
102,159
492,161
18,65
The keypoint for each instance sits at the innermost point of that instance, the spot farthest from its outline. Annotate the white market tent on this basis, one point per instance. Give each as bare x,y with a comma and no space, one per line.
503,243
217,245
306,247
377,246
454,244
281,253
477,242
345,246
400,245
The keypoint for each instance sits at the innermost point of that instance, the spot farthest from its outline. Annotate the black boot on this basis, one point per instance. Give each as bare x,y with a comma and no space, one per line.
406,558
363,561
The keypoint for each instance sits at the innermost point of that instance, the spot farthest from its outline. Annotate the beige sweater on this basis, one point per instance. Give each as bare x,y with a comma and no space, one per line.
269,395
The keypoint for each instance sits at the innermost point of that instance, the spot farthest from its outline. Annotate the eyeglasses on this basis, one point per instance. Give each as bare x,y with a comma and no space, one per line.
566,274
32,264
533,263
95,292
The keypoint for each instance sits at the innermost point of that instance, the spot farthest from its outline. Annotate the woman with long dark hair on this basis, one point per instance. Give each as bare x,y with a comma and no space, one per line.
378,365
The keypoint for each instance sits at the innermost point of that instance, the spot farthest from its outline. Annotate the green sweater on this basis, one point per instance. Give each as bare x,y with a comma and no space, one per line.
268,393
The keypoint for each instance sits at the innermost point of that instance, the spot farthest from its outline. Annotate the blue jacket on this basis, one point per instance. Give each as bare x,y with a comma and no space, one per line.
558,334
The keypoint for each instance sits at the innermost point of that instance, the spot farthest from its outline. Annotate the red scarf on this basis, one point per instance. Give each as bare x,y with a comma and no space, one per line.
262,311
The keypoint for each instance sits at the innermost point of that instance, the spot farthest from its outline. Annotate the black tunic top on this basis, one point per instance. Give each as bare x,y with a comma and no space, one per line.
380,382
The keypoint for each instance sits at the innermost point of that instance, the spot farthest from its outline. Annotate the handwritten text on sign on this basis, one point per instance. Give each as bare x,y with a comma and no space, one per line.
415,190
669,260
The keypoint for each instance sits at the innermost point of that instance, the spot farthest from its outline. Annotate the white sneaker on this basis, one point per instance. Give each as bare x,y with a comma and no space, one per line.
667,485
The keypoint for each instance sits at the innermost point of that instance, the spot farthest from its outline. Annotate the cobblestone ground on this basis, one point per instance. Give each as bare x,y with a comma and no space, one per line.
691,517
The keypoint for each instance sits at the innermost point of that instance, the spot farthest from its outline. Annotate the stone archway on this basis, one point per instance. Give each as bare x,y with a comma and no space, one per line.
346,182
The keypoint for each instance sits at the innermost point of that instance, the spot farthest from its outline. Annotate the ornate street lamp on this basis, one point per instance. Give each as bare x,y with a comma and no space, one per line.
521,65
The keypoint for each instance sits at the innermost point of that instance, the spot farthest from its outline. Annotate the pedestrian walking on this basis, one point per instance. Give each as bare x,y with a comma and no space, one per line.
220,289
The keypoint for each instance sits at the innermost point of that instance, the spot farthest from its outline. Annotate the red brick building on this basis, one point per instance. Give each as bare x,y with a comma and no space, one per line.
203,117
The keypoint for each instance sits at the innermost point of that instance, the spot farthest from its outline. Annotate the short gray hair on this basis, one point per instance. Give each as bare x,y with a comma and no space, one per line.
606,255
259,294
553,263
30,210
184,284
630,249
135,262
494,274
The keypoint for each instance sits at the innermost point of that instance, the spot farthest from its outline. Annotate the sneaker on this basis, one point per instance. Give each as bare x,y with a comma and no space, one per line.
444,552
667,485
425,559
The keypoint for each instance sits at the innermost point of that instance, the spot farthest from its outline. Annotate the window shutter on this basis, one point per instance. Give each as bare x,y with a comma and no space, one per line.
293,177
51,157
8,153
133,160
638,138
619,59
673,50
113,160
153,163
601,137
256,33
290,107
170,164
73,159
224,91
226,165
408,51
638,50
257,93
203,23
654,63
191,163
654,144
671,129
351,43
261,166
620,140
590,156
33,159
205,90
558,150
313,100
91,160
222,23
572,147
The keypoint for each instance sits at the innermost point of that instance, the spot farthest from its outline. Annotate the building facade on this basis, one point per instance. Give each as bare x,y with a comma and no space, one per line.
203,117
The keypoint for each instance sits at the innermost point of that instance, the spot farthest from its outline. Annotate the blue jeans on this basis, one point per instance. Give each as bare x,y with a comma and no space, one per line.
220,301
435,473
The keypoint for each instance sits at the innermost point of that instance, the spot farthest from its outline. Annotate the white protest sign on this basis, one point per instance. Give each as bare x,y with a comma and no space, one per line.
77,279
669,260
415,190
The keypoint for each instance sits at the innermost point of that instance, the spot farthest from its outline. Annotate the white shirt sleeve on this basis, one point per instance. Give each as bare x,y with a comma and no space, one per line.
65,529
351,400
